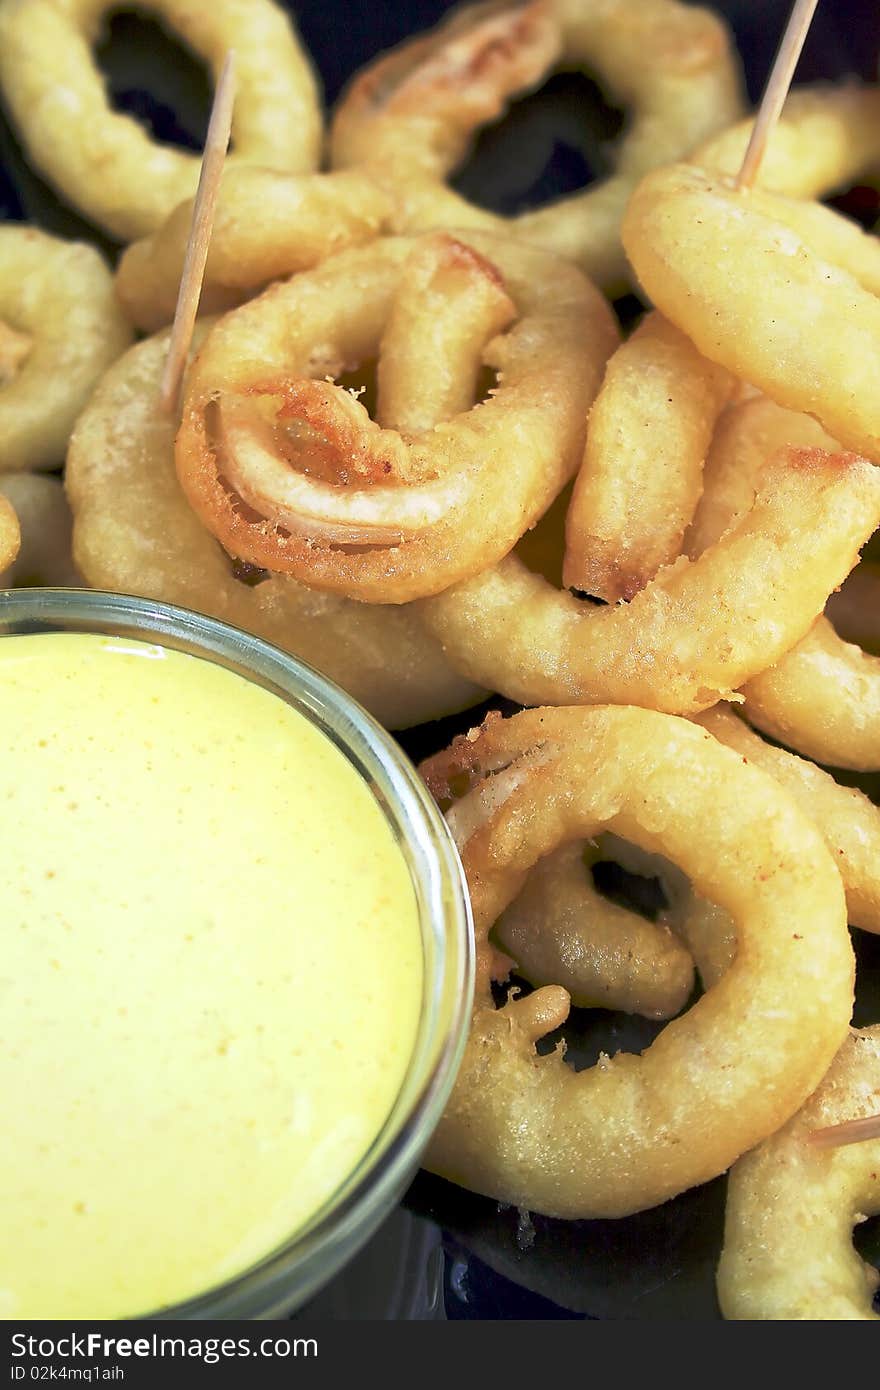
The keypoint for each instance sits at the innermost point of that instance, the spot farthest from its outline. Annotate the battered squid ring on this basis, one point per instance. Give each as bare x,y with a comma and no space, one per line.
561,930
410,116
745,437
44,556
267,225
134,532
699,629
823,699
823,696
104,163
641,477
392,511
60,327
792,1206
635,1130
10,534
806,331
848,822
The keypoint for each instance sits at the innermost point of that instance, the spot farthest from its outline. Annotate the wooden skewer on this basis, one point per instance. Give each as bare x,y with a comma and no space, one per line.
216,145
776,90
850,1132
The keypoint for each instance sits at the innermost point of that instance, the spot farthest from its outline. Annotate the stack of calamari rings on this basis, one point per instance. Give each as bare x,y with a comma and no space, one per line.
414,447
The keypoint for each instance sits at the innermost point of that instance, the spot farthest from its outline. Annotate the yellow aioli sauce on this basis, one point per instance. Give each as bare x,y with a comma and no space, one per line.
210,974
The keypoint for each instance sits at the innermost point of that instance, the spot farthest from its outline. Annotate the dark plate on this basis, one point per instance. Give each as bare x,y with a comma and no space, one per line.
659,1264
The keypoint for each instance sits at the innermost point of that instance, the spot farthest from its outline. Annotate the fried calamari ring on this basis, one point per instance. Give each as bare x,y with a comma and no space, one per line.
847,821
106,164
410,116
635,1130
290,473
823,699
806,330
60,327
10,534
745,437
267,226
561,930
791,1206
699,629
649,430
823,696
134,532
826,138
44,518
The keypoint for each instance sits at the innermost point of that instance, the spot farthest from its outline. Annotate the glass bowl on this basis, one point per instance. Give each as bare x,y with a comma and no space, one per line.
294,1271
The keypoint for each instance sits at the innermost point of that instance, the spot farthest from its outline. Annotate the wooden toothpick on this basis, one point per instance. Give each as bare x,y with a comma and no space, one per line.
216,145
850,1132
776,90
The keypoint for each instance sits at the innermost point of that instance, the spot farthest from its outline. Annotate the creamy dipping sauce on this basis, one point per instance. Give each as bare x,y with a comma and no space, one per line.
210,974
